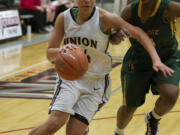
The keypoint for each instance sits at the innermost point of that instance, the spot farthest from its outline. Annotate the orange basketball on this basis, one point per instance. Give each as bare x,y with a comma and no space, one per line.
71,64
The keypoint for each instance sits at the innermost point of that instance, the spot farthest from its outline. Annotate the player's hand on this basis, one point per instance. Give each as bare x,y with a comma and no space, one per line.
67,47
117,36
163,68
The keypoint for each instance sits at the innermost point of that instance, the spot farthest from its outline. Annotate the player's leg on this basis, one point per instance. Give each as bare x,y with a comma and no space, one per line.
169,92
76,126
90,101
56,120
65,96
135,85
124,116
167,99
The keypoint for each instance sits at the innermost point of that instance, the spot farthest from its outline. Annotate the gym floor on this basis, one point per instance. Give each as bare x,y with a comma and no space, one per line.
27,80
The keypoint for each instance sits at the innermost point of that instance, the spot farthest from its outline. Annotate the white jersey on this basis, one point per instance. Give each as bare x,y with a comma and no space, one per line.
86,95
91,39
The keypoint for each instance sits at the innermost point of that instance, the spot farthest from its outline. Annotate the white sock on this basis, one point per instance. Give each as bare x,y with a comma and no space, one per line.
155,115
119,131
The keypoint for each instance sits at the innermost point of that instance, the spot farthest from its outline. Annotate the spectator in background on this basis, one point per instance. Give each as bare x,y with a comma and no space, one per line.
62,5
34,7
50,10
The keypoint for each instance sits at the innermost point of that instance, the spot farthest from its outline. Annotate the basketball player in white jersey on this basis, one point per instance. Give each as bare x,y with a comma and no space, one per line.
76,102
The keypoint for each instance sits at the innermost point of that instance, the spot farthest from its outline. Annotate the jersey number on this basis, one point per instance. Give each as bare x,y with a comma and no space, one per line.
89,58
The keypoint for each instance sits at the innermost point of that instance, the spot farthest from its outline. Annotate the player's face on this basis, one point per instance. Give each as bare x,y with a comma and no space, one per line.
86,4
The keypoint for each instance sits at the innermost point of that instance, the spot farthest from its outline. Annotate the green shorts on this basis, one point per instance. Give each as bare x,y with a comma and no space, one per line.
137,81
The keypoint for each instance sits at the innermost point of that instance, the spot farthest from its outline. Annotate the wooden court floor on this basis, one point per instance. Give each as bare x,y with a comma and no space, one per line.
26,90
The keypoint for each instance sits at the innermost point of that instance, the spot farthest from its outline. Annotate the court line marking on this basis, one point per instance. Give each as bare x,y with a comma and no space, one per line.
95,119
15,130
115,90
103,118
24,69
8,131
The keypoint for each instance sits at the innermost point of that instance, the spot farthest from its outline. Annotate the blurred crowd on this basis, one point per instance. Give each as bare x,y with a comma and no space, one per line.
44,12
40,14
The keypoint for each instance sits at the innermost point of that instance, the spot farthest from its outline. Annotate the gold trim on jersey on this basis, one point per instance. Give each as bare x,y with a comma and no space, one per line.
139,8
155,9
124,92
172,25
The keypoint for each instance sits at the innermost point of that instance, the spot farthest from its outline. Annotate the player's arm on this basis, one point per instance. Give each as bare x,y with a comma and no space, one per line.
56,38
172,10
116,37
116,22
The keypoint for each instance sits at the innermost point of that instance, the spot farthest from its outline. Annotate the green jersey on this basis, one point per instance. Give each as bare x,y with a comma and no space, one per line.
137,74
161,31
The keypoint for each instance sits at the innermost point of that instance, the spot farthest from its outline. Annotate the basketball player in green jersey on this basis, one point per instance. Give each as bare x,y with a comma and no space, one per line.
157,19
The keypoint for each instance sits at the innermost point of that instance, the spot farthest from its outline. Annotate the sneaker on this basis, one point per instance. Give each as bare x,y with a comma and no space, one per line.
152,124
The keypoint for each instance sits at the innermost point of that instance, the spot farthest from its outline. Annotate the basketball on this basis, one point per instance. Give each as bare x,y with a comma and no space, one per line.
71,64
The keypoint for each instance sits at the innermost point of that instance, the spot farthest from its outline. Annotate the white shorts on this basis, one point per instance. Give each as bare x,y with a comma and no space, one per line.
81,98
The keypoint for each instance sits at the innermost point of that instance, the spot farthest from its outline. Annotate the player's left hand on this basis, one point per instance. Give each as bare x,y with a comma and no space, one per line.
117,36
167,71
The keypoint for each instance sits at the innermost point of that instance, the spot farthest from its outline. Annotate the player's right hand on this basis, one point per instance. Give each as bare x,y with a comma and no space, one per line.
67,47
167,71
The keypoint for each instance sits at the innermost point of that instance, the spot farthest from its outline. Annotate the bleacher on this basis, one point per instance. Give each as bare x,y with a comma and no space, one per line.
9,6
